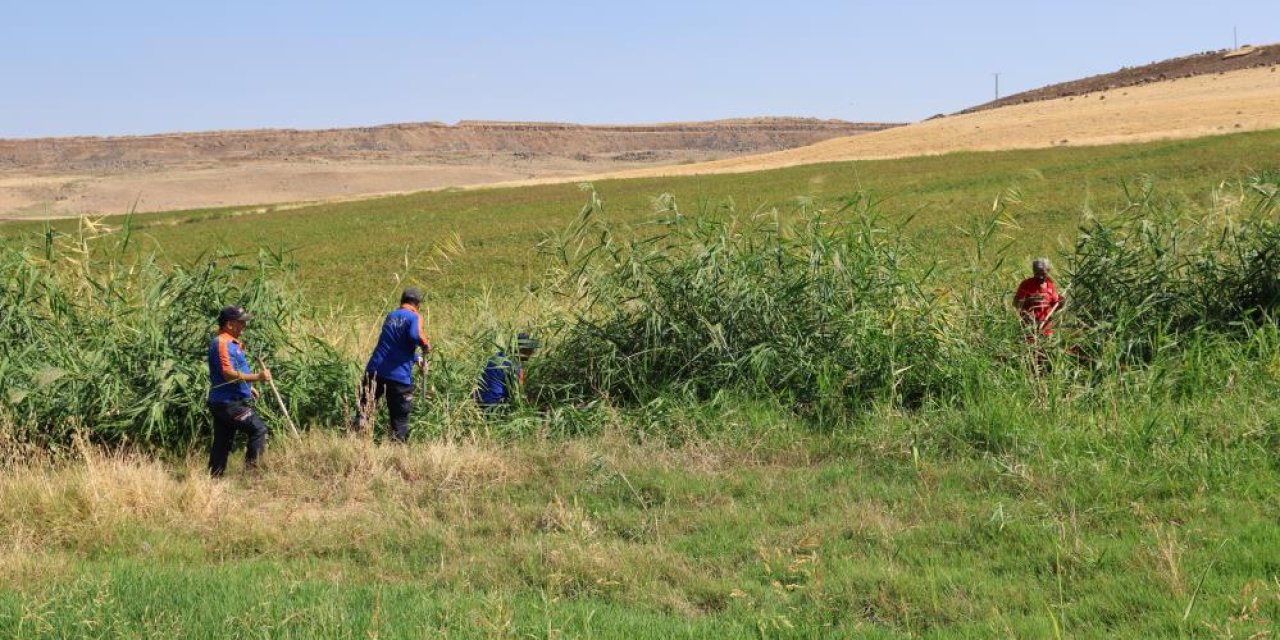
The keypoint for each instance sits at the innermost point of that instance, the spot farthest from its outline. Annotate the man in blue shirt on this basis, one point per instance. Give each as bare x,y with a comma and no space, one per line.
231,395
503,377
390,369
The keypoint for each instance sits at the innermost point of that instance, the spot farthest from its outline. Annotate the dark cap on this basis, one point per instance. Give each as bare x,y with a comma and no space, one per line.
234,312
524,341
412,294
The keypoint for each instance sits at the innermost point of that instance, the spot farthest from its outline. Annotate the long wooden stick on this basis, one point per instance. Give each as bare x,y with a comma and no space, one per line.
279,400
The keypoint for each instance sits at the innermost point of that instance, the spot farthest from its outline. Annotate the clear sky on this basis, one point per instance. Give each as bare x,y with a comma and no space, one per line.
145,66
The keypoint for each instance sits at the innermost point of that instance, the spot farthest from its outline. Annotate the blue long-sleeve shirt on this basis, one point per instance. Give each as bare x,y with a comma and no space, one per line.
502,376
225,352
403,332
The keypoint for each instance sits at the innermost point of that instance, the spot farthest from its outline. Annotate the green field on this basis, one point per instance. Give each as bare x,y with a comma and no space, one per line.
1127,494
350,253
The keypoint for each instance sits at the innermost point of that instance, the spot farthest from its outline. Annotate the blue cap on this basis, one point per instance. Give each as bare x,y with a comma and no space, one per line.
234,312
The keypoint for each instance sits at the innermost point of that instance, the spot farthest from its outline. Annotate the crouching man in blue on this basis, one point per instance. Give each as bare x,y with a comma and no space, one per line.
390,369
503,378
231,395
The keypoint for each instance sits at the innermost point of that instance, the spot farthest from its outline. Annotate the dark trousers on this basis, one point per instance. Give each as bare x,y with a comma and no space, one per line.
399,404
230,418
494,410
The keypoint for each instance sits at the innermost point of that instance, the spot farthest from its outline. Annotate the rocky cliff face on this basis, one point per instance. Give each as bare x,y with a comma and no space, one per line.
421,141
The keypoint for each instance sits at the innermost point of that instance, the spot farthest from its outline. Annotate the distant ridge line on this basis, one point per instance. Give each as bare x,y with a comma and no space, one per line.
761,123
1205,63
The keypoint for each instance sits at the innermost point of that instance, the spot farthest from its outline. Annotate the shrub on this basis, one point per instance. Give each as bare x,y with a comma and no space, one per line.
827,312
1153,274
101,339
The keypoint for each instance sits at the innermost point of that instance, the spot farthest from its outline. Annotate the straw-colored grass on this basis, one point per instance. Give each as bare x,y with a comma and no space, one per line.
611,537
319,491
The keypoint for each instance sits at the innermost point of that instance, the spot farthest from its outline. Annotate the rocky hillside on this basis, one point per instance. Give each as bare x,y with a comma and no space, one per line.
429,141
1209,62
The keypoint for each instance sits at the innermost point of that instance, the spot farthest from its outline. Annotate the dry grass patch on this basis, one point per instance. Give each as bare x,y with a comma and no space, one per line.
318,491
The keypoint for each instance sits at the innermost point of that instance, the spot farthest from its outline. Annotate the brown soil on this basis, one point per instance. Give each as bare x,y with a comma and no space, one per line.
1209,62
69,176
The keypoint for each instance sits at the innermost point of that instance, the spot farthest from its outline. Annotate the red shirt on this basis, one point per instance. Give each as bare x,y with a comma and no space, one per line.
1036,300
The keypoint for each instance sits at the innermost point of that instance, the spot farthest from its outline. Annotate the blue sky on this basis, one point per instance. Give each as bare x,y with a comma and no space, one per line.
134,66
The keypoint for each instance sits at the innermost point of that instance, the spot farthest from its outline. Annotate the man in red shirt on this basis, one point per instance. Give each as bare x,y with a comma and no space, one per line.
1036,300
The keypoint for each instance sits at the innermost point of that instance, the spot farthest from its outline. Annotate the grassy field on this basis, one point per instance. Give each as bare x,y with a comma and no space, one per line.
351,253
769,532
1095,524
1130,497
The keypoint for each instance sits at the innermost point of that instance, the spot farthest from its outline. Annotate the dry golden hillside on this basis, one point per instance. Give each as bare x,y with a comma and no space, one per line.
68,176
1245,100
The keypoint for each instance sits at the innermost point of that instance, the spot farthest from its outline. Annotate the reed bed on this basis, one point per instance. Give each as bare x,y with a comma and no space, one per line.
112,343
824,312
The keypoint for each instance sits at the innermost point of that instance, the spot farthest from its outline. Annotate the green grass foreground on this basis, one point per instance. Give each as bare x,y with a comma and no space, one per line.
770,532
1126,493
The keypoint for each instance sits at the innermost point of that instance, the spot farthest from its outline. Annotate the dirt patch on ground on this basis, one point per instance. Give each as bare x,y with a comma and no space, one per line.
260,182
1247,100
70,176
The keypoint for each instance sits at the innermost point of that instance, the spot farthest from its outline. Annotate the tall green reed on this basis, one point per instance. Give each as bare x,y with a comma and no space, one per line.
1157,271
829,310
109,341
824,309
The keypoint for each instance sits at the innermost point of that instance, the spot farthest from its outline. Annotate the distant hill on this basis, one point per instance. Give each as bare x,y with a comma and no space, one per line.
53,177
1209,62
424,141
1176,108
